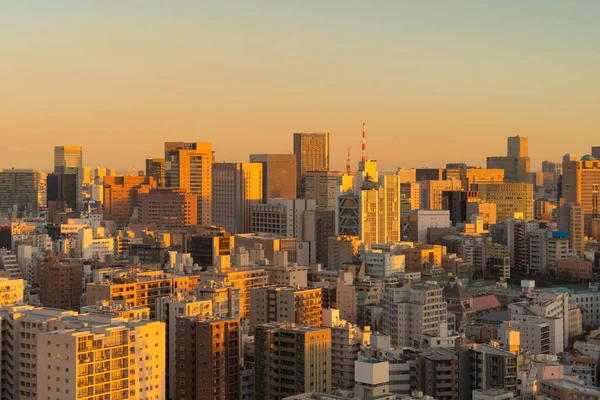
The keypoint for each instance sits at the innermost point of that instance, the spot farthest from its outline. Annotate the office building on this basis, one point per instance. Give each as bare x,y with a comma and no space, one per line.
413,311
108,361
69,160
429,174
19,188
421,255
61,283
312,154
121,196
62,188
456,201
419,221
286,304
322,186
372,379
483,176
9,263
155,168
168,208
516,164
510,198
382,264
291,359
342,250
279,175
208,358
188,166
432,192
580,183
225,298
206,247
286,218
236,188
270,243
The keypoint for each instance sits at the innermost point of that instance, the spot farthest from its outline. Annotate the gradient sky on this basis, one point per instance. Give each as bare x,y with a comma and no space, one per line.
435,81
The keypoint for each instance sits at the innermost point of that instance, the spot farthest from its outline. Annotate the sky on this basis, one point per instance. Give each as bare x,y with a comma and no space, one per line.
435,82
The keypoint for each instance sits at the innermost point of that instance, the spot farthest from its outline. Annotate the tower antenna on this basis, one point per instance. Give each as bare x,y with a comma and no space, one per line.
348,162
364,143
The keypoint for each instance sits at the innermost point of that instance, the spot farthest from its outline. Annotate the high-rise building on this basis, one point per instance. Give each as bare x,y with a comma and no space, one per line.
516,164
118,361
62,188
270,243
285,304
413,311
189,166
279,175
410,199
571,219
419,221
432,192
429,174
69,160
580,185
322,186
342,250
236,188
437,373
208,358
312,154
510,198
12,291
483,366
19,188
155,167
61,283
168,208
291,359
121,196
205,248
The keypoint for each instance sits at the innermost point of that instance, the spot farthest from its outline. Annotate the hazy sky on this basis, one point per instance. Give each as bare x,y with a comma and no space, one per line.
435,81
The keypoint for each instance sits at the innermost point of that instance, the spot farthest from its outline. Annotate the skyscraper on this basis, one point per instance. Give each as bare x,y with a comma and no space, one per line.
189,166
279,175
516,164
19,187
321,186
580,185
121,196
69,160
312,154
236,187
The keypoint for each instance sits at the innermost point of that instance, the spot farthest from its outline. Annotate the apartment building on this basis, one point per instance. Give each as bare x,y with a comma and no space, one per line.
286,304
61,283
437,373
11,291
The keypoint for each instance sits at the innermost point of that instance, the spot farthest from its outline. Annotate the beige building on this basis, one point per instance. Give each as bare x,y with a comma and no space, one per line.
189,166
105,361
236,188
322,186
341,250
119,310
422,254
271,243
510,199
571,219
244,278
483,176
11,291
433,192
142,289
291,359
413,311
285,304
288,275
580,183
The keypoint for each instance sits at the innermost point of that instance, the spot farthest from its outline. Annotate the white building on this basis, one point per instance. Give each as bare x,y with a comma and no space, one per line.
421,220
94,246
410,312
381,264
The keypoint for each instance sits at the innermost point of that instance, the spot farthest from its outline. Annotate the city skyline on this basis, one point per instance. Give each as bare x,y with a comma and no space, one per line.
223,73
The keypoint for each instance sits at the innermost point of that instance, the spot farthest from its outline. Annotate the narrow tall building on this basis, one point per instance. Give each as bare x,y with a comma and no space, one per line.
69,160
290,360
581,185
279,175
61,283
62,188
312,154
189,166
236,187
516,164
322,186
208,358
155,167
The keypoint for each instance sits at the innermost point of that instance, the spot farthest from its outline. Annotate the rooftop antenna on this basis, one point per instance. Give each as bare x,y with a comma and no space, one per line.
348,162
364,143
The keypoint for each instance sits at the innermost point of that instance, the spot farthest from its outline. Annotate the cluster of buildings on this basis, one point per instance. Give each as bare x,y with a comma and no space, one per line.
279,278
